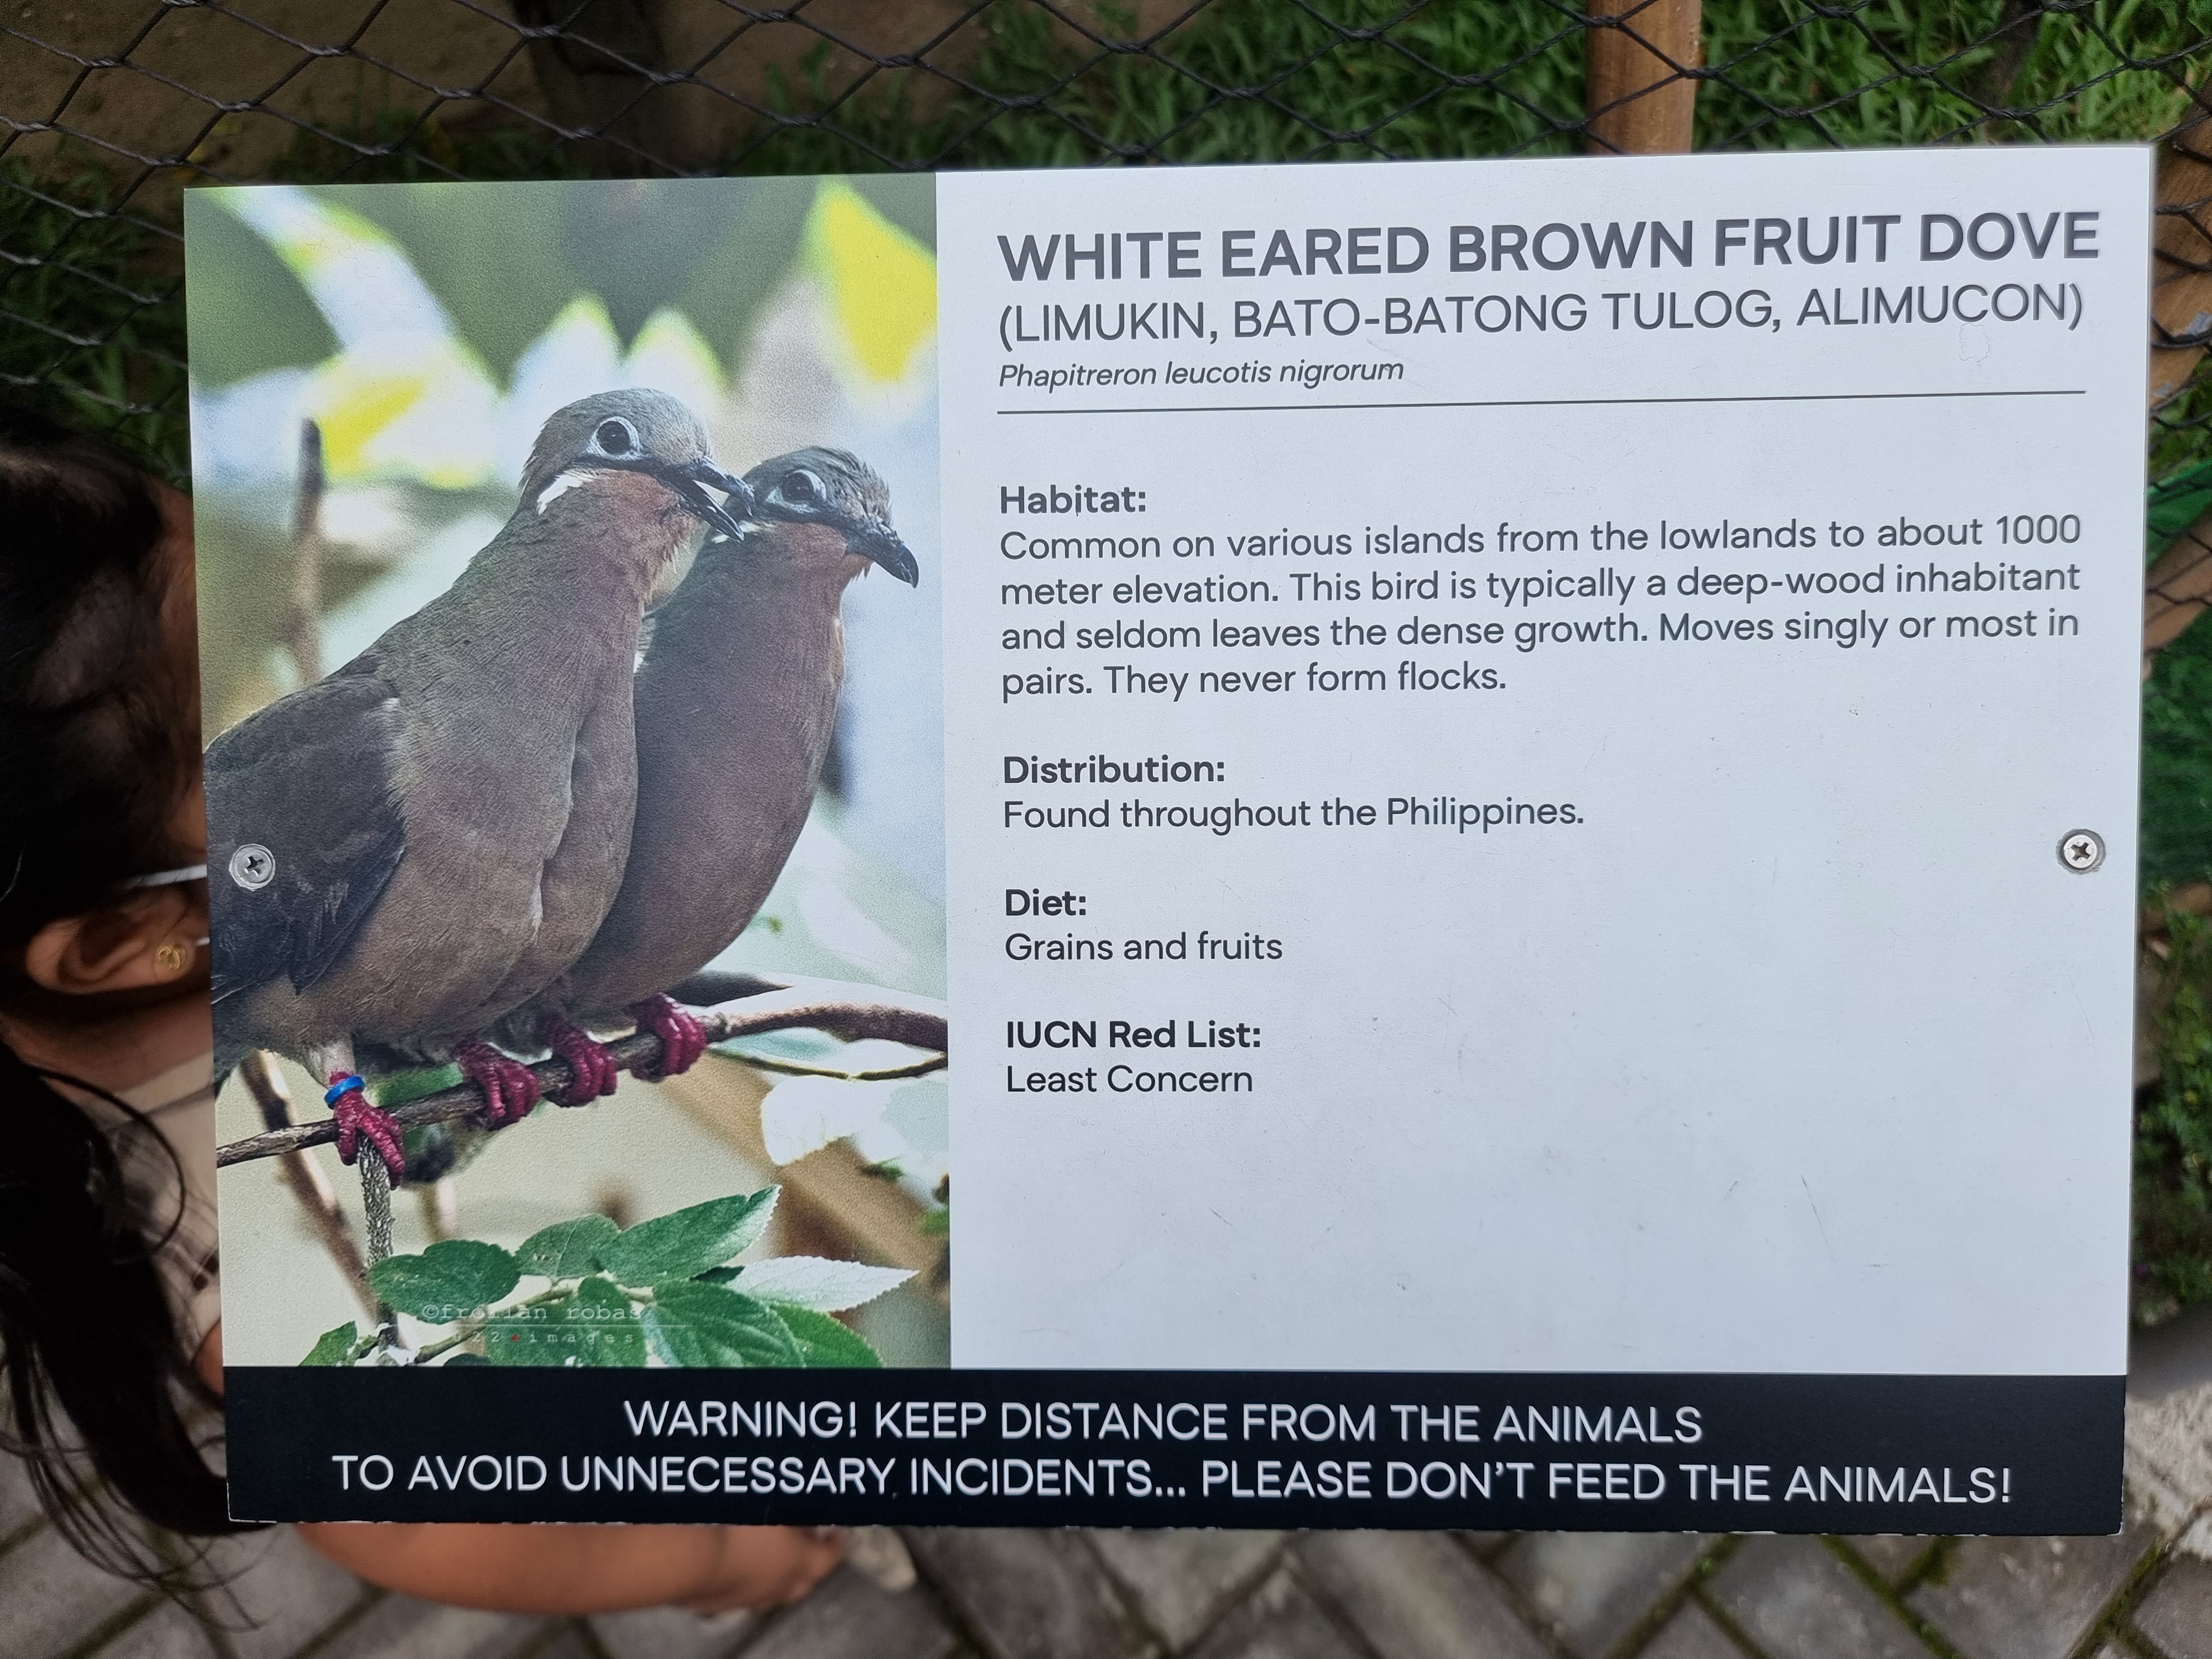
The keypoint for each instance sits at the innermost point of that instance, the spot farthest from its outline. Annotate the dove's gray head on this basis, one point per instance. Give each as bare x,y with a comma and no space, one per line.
633,431
838,492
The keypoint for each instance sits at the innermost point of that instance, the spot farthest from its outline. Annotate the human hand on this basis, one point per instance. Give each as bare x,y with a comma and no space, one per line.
764,1567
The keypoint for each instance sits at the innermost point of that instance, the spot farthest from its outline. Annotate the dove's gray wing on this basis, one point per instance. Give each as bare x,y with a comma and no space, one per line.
304,830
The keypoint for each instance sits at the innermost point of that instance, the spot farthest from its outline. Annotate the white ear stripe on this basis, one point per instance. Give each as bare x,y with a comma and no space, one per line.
574,477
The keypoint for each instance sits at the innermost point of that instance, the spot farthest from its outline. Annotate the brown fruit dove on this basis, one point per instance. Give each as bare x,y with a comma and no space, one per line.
737,700
411,848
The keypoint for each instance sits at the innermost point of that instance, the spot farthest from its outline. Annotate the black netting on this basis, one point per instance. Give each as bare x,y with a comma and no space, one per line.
112,106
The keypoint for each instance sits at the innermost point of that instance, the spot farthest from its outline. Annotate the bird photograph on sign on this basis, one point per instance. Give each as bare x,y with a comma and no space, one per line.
568,560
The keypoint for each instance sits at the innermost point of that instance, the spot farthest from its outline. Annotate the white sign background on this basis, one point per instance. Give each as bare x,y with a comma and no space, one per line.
1800,1052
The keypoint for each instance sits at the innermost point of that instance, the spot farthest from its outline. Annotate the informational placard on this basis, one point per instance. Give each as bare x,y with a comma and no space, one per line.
1537,794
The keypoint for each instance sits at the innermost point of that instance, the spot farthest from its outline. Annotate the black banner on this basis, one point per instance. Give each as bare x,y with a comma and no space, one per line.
1493,1451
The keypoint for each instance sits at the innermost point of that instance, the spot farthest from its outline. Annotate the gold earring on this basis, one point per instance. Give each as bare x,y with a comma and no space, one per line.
172,956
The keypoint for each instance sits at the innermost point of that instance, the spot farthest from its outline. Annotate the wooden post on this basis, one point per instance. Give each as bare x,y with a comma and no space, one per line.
1638,100
2181,259
2178,589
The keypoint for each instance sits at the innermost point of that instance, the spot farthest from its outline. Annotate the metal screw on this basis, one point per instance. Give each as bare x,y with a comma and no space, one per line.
2081,850
253,866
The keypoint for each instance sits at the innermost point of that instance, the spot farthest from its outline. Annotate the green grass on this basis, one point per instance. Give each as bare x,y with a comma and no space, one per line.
1261,80
2172,1219
1245,81
1922,71
2177,762
92,323
2181,433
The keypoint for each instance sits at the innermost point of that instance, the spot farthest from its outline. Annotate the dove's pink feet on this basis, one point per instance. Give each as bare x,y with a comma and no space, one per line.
592,1069
508,1089
358,1119
683,1038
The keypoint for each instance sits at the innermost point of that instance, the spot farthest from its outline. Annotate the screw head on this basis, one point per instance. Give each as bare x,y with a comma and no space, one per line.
253,866
2081,850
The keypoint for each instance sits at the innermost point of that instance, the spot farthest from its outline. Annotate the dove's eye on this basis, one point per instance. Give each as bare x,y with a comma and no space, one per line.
615,438
802,488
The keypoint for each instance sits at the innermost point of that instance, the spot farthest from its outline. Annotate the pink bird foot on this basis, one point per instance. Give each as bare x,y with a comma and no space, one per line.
508,1087
592,1069
683,1038
358,1119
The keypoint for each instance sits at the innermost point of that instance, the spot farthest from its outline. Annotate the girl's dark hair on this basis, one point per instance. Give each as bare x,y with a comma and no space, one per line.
98,744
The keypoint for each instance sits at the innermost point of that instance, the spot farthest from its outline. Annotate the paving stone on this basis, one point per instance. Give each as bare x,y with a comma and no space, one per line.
1278,1620
424,1629
850,1617
1796,1601
1029,1593
1592,1587
280,1594
2196,1539
1890,1554
2021,1598
1182,1579
670,1633
571,1643
2177,1614
1691,1634
51,1598
167,1631
1415,1595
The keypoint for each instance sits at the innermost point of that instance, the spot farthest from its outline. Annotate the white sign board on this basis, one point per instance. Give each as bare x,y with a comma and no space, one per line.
1540,779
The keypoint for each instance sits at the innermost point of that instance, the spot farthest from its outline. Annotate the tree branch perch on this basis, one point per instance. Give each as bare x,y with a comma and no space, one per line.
306,1181
852,1021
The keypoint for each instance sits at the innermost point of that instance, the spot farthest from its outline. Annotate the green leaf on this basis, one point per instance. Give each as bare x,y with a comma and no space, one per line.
450,1280
461,1357
566,1249
823,1341
535,1336
597,1325
611,1325
334,1348
397,1088
688,1241
719,1275
816,1282
693,1324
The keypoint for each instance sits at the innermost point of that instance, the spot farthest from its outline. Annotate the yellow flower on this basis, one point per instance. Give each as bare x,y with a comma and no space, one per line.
882,282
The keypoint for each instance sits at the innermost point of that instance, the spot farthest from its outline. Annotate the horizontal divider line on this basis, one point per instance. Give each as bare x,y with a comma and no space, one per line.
1549,403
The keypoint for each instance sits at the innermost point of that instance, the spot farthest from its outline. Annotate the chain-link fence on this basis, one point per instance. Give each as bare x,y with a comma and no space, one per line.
112,106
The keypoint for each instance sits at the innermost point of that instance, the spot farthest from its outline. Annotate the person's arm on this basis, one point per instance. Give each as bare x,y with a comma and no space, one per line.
570,1568
582,1568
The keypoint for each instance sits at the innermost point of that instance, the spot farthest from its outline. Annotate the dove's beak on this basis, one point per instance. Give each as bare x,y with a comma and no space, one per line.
725,516
880,543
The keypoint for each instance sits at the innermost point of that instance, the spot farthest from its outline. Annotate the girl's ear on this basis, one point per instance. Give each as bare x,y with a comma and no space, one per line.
152,941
